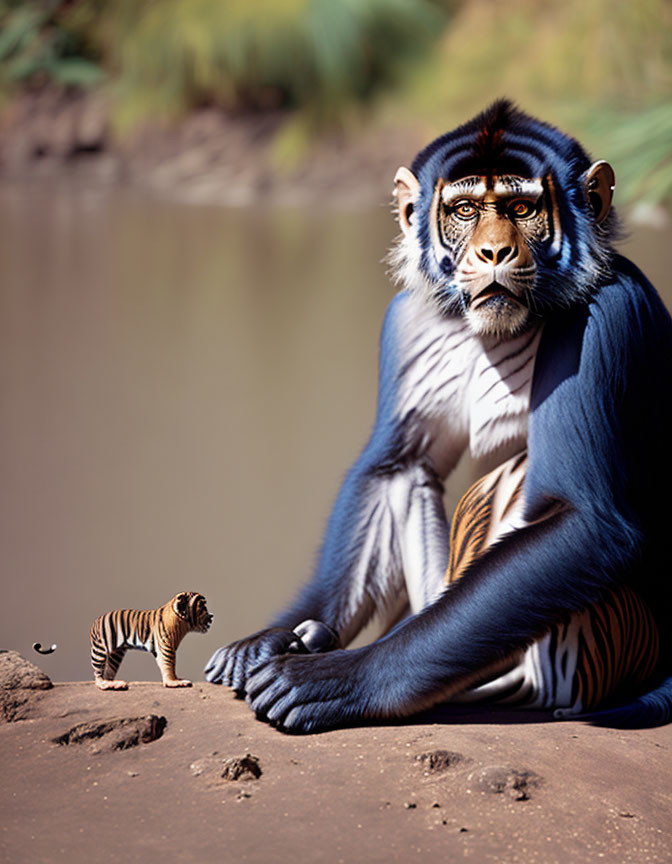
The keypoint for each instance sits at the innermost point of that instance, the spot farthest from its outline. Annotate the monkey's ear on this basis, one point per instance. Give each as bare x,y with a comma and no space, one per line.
181,605
406,191
599,188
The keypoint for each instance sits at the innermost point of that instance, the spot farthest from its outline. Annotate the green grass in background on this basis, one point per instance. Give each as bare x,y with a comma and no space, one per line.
601,69
41,43
316,56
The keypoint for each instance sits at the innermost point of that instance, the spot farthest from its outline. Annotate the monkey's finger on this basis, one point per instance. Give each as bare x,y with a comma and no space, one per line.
212,666
237,670
267,699
229,660
215,666
310,717
281,707
264,687
233,664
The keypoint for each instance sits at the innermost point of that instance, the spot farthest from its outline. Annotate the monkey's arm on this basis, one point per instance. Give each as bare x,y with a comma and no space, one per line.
600,390
387,539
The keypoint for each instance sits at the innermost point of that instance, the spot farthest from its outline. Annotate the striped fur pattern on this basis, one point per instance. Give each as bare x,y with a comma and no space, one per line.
612,646
158,631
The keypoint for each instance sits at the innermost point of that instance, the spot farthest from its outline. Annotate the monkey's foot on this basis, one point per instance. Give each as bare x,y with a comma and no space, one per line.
308,692
232,664
177,682
104,684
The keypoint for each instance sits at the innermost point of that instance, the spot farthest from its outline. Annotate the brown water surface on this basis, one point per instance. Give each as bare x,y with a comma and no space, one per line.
181,390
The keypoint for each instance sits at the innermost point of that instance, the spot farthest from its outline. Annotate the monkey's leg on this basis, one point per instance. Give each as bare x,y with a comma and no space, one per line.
424,536
105,668
387,545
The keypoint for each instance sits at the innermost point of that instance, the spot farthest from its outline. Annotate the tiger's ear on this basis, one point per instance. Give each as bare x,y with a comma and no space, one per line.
181,605
599,188
406,191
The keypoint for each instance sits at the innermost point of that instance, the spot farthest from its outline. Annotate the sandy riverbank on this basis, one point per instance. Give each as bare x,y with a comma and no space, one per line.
484,787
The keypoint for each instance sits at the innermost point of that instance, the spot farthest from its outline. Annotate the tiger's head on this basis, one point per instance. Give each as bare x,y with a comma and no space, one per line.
191,608
503,220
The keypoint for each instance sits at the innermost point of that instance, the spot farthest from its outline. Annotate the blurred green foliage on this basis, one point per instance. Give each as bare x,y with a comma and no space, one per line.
602,69
639,146
41,43
570,54
599,69
321,56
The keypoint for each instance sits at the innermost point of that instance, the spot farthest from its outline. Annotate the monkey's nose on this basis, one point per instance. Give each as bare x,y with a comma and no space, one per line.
497,255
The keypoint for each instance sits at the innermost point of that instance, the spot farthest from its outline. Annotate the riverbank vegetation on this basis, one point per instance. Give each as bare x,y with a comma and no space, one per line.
600,68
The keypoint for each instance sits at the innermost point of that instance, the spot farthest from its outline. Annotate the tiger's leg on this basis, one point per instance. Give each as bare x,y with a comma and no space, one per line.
106,662
165,659
105,667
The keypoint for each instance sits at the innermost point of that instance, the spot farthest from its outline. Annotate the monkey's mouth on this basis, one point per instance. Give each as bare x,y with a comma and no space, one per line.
496,295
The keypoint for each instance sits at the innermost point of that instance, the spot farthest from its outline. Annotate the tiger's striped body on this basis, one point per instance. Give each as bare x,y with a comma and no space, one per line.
579,662
158,631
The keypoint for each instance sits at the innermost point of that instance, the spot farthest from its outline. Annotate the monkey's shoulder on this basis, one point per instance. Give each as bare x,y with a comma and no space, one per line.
624,327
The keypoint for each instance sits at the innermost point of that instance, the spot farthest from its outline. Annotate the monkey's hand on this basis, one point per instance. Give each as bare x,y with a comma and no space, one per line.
231,665
305,693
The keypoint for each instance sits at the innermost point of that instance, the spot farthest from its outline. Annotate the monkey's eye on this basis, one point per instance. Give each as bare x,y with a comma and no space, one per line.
521,209
464,210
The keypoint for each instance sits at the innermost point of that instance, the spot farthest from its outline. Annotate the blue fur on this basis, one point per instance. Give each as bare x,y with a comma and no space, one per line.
599,426
600,422
598,439
651,709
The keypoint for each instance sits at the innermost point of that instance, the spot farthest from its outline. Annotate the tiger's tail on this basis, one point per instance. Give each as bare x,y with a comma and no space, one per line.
650,709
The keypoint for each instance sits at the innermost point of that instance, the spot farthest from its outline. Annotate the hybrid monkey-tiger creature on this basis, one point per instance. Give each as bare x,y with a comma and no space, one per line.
158,631
518,327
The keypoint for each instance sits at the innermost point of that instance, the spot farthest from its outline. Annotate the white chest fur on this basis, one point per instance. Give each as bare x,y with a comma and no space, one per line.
499,393
460,390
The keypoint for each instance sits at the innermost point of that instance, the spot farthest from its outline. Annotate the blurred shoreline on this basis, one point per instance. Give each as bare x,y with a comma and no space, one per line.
214,157
207,157
317,103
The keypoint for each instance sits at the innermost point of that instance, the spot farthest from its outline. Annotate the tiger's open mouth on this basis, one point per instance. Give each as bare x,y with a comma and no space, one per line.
204,623
494,294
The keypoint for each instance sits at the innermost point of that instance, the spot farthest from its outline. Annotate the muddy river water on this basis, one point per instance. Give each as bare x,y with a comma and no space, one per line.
181,390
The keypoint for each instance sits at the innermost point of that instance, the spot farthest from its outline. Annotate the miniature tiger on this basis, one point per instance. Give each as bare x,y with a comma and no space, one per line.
610,647
158,631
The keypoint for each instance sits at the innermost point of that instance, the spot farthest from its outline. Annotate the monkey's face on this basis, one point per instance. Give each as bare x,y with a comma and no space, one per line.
504,221
482,236
482,240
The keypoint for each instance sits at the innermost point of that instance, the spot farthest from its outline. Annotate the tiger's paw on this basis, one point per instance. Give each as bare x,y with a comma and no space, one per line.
104,684
177,682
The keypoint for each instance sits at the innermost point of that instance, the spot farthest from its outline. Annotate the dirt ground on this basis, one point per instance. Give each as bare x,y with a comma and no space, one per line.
492,787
